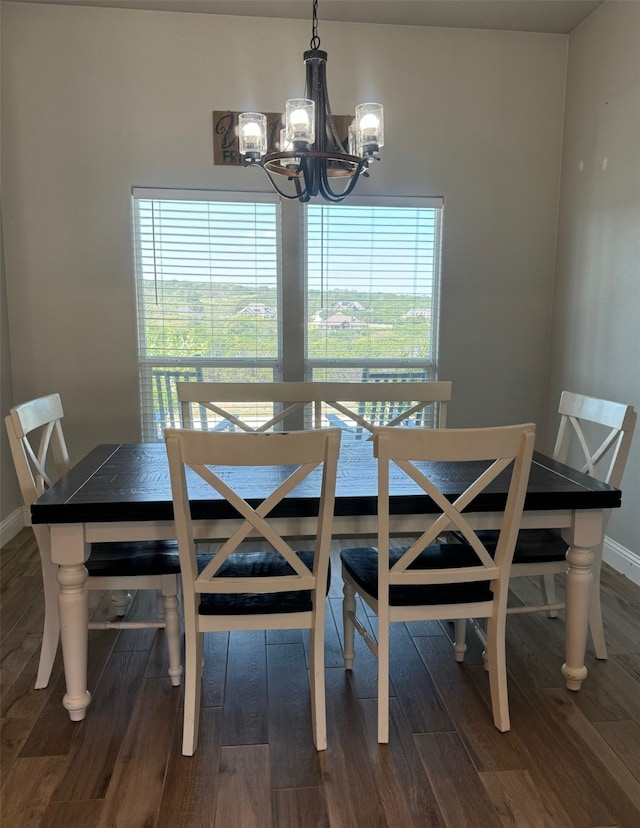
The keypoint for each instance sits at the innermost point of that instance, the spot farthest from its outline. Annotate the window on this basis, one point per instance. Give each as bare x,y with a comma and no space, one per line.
220,293
372,278
208,288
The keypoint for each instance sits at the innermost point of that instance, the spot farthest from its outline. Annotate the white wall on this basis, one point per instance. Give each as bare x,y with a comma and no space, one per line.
596,321
10,516
98,100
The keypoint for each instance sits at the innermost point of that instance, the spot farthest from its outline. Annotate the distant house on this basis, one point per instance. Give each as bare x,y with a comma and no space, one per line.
417,312
339,321
347,304
258,311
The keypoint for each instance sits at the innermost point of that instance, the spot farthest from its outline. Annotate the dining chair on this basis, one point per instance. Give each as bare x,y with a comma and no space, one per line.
40,455
244,586
427,579
164,387
265,406
594,436
381,412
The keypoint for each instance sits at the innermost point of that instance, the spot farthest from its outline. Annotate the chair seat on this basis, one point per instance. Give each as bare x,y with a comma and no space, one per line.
256,565
362,565
539,545
532,546
133,558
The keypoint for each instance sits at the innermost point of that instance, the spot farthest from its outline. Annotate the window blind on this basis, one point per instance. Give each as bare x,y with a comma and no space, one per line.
372,284
207,275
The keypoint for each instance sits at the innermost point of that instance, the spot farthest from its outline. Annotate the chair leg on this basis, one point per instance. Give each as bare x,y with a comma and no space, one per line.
460,635
121,601
348,606
194,649
383,678
159,605
51,629
596,626
172,627
548,584
497,663
317,684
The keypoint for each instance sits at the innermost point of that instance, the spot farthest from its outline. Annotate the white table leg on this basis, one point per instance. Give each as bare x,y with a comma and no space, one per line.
587,532
68,550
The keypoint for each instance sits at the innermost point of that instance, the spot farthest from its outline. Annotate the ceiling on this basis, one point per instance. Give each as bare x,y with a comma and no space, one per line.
559,16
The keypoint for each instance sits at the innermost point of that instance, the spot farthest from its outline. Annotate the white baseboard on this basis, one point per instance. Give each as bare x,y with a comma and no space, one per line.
11,525
623,560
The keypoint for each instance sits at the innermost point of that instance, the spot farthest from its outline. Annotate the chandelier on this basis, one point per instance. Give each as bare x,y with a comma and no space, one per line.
311,159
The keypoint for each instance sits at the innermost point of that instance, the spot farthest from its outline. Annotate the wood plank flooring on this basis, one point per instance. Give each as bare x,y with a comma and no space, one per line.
570,759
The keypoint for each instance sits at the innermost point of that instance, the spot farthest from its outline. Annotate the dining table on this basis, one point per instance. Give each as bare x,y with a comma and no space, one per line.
122,492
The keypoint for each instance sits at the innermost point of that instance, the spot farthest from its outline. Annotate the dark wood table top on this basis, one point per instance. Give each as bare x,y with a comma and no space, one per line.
130,482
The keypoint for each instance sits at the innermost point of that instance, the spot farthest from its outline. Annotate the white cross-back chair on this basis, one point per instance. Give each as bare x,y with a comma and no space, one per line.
245,587
594,436
429,579
40,456
355,407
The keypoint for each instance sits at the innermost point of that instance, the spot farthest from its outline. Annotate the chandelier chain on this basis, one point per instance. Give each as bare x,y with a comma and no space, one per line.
315,38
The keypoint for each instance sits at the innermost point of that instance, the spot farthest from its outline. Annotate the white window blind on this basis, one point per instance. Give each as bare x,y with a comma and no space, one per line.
372,286
207,285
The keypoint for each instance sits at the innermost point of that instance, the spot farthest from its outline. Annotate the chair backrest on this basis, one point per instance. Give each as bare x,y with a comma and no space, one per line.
280,400
410,375
297,455
493,451
382,412
37,444
584,420
168,404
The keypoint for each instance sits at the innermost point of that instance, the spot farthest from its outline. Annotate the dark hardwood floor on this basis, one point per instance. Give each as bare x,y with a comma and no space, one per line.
570,759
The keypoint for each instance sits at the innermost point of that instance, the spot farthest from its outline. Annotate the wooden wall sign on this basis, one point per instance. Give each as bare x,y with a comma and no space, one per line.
225,136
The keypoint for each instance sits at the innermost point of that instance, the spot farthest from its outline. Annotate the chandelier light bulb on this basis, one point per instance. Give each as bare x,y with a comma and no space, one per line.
369,123
252,134
251,131
369,127
300,121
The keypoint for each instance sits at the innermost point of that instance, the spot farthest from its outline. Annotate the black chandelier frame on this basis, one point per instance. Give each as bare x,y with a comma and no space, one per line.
312,171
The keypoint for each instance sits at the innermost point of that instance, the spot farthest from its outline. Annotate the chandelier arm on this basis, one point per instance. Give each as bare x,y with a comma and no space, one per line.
314,62
328,193
327,137
300,195
325,188
310,176
333,139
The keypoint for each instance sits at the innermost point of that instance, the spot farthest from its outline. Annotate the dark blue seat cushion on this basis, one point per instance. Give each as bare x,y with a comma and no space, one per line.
362,565
256,565
536,545
532,546
134,558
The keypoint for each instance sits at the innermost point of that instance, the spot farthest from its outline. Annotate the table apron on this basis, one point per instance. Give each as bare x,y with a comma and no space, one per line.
65,536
